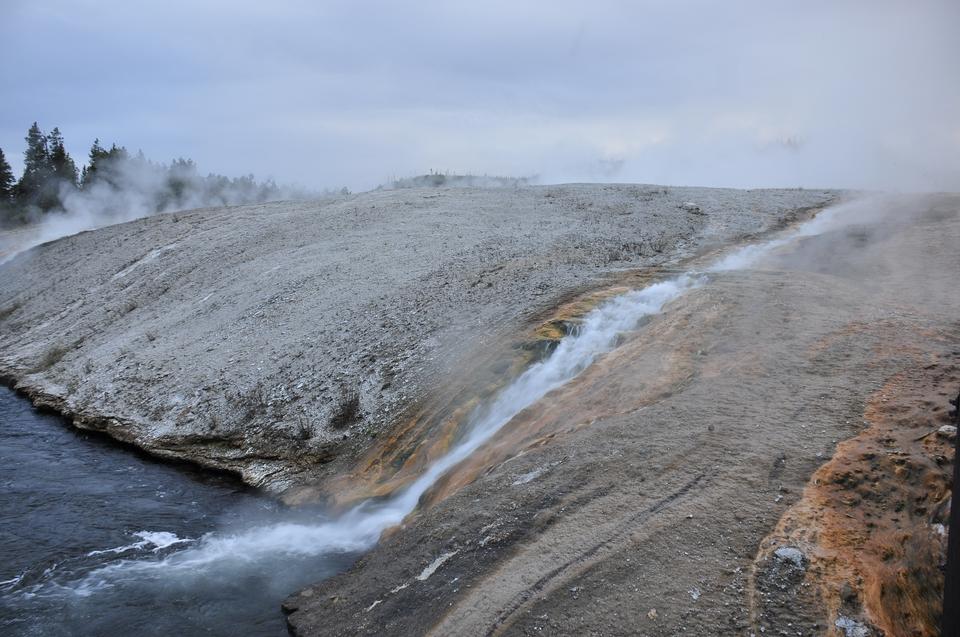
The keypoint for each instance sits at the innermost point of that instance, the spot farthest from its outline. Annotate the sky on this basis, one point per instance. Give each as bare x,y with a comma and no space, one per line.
852,94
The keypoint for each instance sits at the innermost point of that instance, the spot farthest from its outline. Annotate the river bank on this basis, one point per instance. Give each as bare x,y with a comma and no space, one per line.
73,504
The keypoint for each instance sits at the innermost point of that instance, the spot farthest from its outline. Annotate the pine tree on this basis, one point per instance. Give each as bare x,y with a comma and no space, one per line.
63,169
182,179
92,171
36,167
118,153
6,180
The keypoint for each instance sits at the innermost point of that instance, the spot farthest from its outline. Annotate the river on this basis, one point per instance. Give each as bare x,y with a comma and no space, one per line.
77,510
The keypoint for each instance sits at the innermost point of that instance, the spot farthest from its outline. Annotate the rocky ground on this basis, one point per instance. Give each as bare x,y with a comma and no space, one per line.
667,490
277,341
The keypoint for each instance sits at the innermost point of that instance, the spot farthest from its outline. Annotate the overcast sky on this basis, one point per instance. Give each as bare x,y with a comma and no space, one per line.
325,94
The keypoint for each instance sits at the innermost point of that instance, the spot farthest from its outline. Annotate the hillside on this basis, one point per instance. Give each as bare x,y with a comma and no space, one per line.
272,339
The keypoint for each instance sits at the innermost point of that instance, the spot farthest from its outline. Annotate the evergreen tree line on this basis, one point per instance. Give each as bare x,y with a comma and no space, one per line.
112,178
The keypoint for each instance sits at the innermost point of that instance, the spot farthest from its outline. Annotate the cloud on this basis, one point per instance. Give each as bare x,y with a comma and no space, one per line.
327,94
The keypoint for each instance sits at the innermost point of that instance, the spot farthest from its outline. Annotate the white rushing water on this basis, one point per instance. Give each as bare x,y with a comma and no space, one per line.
360,528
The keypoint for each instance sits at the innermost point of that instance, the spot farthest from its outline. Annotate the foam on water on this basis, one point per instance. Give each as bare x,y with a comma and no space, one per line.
158,540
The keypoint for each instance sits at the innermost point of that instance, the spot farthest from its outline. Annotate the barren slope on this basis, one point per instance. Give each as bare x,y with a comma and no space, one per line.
645,496
269,339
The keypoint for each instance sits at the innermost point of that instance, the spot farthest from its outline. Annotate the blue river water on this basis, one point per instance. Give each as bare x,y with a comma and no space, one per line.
77,512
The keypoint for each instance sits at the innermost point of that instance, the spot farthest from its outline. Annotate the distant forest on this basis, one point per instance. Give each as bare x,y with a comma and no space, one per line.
110,179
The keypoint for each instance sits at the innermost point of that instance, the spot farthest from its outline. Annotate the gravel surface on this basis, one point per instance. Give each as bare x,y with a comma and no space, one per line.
641,498
277,340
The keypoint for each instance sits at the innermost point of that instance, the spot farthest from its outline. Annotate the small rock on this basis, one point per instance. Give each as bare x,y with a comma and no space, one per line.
652,614
694,593
852,628
689,206
947,431
790,554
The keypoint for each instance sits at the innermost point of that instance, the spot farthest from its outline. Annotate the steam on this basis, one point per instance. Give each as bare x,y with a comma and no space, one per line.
134,188
438,179
749,255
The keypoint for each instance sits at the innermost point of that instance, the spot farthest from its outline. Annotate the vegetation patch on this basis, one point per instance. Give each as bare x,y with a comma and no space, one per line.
347,410
251,404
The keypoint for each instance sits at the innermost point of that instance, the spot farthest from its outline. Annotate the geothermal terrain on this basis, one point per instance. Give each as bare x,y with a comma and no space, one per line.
270,340
766,453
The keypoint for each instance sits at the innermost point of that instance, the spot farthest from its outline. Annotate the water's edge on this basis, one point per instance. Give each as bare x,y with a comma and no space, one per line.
47,404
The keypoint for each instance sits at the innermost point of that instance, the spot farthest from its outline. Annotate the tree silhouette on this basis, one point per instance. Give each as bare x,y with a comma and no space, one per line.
36,167
122,181
91,172
63,170
6,180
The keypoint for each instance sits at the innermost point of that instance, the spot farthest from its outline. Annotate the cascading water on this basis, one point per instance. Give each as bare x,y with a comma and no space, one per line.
231,557
360,527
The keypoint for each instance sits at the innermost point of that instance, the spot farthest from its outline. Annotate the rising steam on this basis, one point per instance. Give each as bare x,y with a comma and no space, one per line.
128,189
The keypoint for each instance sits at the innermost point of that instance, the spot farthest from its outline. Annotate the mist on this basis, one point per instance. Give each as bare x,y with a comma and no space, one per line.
821,94
130,188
